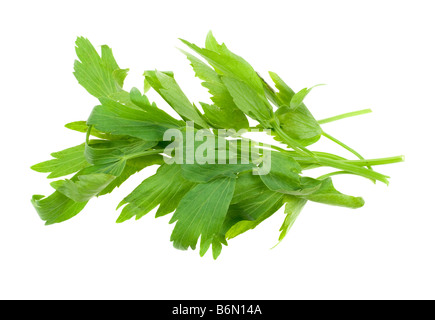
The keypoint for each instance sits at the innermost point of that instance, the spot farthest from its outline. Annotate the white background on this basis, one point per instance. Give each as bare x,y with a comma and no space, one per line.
372,54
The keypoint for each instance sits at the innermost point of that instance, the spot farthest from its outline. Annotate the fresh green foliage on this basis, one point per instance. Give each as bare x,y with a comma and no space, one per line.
215,200
293,207
56,207
166,188
84,187
168,88
66,162
253,203
117,119
100,76
224,112
205,207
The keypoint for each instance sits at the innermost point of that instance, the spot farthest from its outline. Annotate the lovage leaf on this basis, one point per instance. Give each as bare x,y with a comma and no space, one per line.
293,208
284,174
56,207
218,160
296,100
82,126
140,100
66,162
285,93
104,151
294,117
327,194
227,63
202,212
252,203
166,188
113,117
299,124
223,113
249,101
84,187
100,76
131,167
168,88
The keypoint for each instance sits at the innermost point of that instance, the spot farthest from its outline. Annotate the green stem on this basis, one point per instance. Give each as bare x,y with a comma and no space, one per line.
316,153
361,163
344,146
88,134
344,115
344,166
373,162
335,173
352,166
378,161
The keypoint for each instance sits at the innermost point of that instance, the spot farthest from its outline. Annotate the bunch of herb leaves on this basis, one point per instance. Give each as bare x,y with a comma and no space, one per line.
210,203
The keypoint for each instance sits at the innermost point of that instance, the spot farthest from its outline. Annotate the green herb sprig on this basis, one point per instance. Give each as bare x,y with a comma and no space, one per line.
211,202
